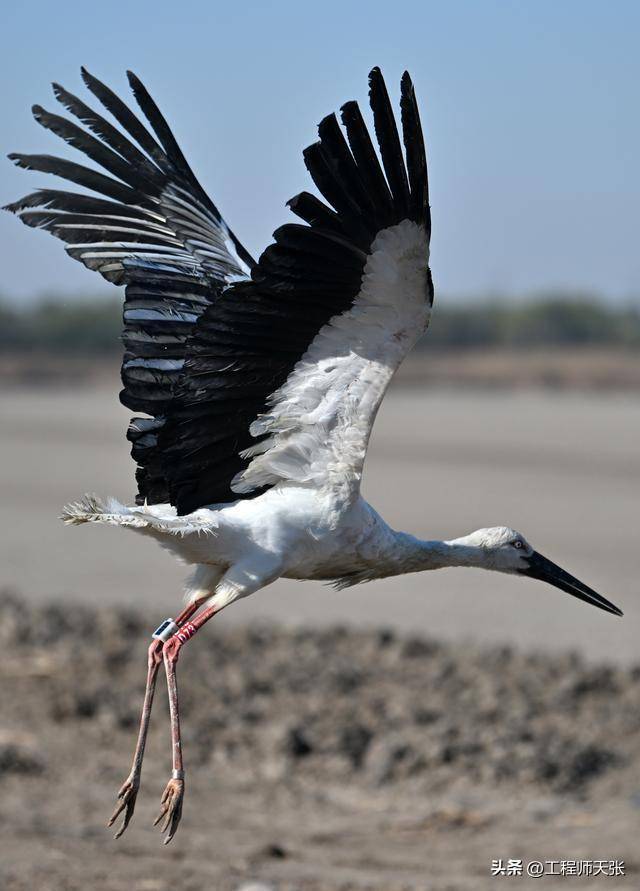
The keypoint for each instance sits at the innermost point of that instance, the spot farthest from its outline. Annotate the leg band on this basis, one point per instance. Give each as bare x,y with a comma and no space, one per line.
177,774
188,630
164,631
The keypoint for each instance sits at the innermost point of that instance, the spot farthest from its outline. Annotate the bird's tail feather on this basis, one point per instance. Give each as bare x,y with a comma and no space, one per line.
158,518
93,509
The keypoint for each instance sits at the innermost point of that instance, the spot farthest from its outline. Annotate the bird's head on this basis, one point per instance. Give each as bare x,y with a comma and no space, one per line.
505,550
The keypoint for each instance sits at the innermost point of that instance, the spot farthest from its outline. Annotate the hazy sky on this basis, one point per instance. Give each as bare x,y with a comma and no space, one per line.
530,111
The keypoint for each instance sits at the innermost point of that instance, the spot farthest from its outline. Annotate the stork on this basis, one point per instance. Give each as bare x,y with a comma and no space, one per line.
256,383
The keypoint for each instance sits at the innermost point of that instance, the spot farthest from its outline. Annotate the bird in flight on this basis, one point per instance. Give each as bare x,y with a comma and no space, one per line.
256,383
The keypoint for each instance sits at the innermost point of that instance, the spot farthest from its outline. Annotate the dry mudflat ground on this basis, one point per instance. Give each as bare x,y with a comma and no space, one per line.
318,760
586,368
561,467
493,718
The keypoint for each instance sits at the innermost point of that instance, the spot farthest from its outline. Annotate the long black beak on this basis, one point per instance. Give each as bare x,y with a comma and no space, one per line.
543,569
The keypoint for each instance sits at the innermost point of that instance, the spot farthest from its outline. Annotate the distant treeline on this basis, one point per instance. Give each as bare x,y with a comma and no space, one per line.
535,322
93,326
62,326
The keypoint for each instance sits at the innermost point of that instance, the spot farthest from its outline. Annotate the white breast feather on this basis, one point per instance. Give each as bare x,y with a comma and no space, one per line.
321,418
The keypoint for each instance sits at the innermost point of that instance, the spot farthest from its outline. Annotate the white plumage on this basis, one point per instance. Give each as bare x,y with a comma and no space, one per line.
259,382
312,523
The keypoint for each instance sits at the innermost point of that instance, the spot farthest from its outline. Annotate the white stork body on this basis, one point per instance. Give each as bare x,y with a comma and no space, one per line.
291,531
297,532
258,382
312,523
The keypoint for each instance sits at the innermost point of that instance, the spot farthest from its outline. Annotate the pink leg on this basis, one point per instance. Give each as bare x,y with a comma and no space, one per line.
171,803
129,789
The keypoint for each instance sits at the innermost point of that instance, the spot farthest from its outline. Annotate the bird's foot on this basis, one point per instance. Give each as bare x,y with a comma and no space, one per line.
171,808
126,802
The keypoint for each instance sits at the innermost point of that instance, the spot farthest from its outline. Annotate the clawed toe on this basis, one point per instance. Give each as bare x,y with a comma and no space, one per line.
170,809
126,802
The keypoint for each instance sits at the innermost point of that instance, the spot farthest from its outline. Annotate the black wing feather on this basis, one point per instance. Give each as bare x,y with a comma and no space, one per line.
81,176
201,356
93,148
73,202
160,128
247,342
368,164
337,191
153,229
415,151
389,141
315,212
342,161
108,133
127,119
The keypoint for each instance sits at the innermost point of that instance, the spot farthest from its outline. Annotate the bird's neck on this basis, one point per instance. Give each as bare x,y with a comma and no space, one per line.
415,555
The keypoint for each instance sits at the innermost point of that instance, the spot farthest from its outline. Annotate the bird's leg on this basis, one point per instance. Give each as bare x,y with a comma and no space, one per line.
241,579
171,803
129,790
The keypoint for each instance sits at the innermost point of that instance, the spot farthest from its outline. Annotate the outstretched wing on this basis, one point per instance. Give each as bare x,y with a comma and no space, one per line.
284,373
153,229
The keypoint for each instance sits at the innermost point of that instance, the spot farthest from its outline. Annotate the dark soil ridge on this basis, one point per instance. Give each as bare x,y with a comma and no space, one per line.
355,707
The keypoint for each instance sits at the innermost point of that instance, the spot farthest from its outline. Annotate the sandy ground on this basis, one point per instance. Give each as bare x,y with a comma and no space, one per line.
317,760
326,753
562,468
583,368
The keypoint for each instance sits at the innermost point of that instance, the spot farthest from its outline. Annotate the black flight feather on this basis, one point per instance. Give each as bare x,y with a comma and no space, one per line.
74,202
202,354
368,164
108,133
342,161
389,141
126,118
160,127
415,152
93,148
337,192
82,176
315,212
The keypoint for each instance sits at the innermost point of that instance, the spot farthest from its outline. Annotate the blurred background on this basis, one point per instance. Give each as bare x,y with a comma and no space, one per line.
519,407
